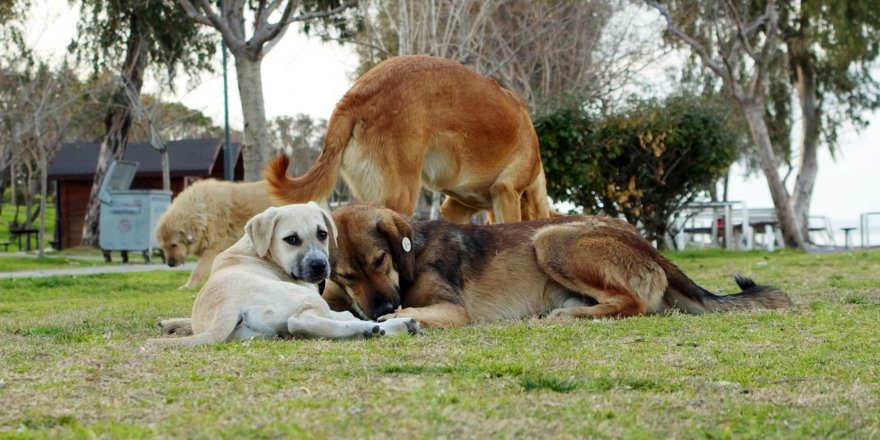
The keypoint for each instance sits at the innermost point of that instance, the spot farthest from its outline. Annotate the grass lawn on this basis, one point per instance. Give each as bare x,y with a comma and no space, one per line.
72,365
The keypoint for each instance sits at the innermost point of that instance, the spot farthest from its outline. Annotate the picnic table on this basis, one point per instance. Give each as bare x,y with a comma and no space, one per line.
26,233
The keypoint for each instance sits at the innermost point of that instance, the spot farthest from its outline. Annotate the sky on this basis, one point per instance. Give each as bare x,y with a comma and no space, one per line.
303,75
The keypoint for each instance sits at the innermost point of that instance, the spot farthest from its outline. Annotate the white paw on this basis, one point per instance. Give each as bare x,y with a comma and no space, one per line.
400,326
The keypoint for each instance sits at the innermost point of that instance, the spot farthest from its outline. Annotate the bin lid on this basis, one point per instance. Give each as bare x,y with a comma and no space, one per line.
119,175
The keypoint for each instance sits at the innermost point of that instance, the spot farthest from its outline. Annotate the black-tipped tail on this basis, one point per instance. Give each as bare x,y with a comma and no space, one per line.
687,296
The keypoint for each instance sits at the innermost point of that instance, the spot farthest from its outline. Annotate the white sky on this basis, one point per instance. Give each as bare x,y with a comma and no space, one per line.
302,75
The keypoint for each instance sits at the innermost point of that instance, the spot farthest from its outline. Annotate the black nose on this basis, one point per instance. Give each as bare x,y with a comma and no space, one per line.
383,308
172,263
318,266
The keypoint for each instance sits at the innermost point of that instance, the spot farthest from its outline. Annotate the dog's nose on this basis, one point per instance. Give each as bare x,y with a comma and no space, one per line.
383,308
318,266
172,263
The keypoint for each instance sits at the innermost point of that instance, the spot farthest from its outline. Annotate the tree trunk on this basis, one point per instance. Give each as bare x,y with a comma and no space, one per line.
255,148
785,215
805,84
14,194
28,195
44,193
117,122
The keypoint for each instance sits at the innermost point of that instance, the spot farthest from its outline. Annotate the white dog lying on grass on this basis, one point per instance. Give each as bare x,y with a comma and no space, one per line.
264,286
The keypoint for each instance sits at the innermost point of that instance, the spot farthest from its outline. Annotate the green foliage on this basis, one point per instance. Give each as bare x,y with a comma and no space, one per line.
840,41
567,136
340,27
171,38
644,163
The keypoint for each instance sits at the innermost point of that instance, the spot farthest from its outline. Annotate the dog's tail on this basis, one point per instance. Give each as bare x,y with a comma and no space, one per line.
222,327
685,295
317,183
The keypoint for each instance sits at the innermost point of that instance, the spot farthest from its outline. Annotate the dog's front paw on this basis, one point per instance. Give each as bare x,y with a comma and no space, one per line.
186,287
400,326
376,330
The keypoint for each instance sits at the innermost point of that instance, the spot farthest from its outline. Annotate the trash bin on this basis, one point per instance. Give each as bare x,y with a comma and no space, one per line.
129,217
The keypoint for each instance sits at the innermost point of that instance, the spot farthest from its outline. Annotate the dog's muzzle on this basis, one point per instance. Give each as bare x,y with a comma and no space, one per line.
314,268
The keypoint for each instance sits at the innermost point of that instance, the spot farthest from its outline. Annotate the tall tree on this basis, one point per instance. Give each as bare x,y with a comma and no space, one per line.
739,50
822,56
137,33
300,137
250,42
37,103
830,47
540,50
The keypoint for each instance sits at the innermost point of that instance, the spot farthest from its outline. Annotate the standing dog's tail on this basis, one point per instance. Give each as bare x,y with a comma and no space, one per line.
685,295
317,183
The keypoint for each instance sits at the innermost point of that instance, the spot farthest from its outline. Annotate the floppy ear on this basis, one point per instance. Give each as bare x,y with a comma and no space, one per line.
399,234
259,230
328,221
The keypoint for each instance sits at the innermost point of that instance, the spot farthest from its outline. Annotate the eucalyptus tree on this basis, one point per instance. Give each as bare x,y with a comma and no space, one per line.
739,50
131,36
831,48
768,52
251,29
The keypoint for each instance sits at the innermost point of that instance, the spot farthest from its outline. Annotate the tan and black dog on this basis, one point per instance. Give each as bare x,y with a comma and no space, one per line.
421,120
444,274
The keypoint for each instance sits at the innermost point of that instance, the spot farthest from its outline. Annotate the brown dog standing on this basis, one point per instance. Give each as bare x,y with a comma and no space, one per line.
444,274
417,119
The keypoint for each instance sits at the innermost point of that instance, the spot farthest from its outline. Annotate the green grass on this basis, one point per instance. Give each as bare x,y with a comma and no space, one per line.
72,365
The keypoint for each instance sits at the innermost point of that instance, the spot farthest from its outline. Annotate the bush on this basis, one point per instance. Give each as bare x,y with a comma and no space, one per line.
643,164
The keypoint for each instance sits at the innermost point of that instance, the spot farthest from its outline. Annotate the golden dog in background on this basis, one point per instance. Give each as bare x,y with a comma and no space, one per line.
205,219
421,120
444,274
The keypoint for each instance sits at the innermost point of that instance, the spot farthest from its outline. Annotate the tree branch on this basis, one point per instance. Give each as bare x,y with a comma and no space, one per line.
762,63
694,44
210,18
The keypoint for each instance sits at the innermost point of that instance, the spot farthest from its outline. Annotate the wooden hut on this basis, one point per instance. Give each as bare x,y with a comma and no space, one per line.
74,166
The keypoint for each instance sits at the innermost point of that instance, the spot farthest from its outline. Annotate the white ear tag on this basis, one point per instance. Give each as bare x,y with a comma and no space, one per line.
407,245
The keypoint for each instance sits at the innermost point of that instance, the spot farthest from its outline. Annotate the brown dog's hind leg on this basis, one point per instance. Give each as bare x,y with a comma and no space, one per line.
505,202
593,262
454,211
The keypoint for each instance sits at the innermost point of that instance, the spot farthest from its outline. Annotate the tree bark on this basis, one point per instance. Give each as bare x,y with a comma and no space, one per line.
44,193
805,85
785,215
256,150
117,122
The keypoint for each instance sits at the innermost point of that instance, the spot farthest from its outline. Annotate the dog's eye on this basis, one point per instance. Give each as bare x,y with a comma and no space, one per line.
173,245
292,240
346,276
322,235
378,263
